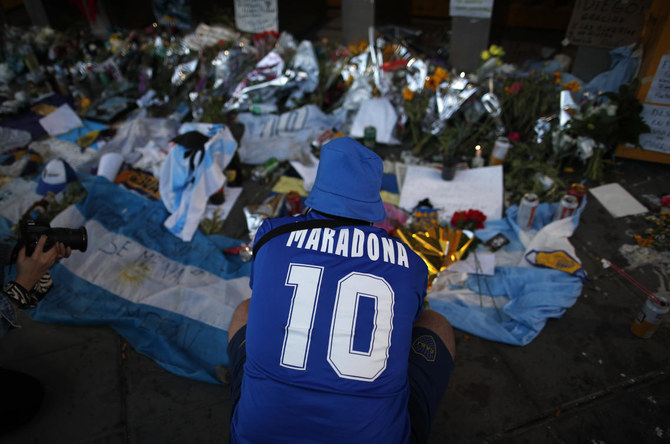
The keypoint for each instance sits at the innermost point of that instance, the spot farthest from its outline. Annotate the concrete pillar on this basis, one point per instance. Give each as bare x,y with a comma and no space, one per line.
469,37
36,12
357,17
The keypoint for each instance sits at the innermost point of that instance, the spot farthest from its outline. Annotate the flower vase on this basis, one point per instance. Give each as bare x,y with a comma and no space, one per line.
448,168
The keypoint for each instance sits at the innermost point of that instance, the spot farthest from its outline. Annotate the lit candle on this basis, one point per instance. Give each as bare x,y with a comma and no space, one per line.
478,160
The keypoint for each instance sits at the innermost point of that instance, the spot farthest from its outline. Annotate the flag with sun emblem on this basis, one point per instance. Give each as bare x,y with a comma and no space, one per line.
172,300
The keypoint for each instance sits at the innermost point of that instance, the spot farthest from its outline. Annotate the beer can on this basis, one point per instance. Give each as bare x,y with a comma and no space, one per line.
292,202
527,209
566,207
650,316
370,136
500,148
579,191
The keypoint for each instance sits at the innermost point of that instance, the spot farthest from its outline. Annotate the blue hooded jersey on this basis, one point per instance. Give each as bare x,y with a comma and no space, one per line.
328,336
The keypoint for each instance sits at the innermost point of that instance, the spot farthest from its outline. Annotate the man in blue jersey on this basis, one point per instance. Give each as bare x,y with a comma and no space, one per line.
333,345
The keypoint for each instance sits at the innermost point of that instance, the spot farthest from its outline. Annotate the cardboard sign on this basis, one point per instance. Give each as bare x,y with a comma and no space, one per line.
256,15
606,23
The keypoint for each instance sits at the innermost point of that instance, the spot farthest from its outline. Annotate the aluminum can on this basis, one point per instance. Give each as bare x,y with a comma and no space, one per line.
527,209
579,191
292,202
650,316
500,148
566,207
370,136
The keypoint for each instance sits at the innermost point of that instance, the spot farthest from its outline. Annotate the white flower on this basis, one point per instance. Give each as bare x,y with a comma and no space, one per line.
611,109
585,147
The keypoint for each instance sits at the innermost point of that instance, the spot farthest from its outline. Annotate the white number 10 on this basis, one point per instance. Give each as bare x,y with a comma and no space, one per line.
347,362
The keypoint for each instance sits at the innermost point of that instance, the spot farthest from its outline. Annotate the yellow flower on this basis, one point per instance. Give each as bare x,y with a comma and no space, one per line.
496,51
485,55
407,94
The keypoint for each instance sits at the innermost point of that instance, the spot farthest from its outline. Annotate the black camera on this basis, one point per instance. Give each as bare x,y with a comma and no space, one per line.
30,231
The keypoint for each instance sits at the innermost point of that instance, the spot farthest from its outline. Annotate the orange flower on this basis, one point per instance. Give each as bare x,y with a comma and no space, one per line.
440,74
573,86
557,77
432,83
407,94
358,48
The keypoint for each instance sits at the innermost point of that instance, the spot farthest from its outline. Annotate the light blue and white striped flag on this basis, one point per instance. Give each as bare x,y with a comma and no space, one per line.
172,300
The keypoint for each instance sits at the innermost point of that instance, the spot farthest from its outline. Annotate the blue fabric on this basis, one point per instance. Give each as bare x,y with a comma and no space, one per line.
535,295
622,70
513,305
87,127
178,343
348,181
302,288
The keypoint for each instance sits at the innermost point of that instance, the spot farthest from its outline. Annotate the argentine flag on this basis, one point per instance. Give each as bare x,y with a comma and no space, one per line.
172,300
513,305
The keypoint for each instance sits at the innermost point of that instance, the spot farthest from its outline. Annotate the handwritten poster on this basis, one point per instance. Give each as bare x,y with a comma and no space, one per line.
658,119
256,15
471,8
660,87
606,23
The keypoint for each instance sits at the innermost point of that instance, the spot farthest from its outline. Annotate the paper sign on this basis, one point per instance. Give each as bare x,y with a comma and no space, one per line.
658,119
659,92
256,15
471,8
617,200
606,24
60,121
477,188
230,195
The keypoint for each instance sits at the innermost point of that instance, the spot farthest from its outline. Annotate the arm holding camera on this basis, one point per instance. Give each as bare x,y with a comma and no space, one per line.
32,280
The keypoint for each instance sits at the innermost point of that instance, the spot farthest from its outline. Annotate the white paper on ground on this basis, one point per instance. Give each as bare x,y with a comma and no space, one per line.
230,195
477,188
60,121
617,200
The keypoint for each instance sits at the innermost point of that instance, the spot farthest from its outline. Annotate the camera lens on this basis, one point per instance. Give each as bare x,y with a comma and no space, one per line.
75,238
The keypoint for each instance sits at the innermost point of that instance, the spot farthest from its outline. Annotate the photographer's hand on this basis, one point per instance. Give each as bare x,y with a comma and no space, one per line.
29,269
